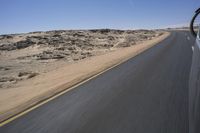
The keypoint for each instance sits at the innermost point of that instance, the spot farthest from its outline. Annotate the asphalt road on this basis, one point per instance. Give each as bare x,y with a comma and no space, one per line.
146,94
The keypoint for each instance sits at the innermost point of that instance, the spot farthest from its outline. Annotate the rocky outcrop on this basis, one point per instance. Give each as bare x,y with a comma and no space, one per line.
24,56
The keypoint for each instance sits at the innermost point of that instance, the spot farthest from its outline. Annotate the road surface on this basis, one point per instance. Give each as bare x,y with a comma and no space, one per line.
146,94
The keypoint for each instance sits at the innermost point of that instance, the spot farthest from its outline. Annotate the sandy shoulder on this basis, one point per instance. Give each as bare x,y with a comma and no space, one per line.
30,92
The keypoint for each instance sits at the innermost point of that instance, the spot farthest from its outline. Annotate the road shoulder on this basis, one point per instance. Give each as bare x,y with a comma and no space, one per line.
35,92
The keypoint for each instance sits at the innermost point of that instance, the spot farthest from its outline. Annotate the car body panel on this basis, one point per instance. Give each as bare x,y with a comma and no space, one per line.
194,89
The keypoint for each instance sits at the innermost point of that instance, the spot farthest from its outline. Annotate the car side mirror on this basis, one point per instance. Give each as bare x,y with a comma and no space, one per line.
197,12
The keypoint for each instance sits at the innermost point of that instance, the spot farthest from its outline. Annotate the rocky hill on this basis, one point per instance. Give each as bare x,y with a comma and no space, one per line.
24,56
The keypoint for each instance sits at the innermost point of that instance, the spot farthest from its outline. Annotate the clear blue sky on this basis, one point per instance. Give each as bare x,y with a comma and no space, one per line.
18,16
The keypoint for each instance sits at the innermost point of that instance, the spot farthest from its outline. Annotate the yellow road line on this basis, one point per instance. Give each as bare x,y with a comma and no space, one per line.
57,95
69,89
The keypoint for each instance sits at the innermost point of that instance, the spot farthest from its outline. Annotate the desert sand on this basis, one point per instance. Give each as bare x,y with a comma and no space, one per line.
35,66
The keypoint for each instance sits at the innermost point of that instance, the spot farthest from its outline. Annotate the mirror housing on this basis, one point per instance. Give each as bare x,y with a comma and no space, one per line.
197,12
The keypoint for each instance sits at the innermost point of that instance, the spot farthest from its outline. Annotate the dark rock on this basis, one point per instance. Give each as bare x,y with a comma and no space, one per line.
6,36
7,79
27,75
17,45
23,44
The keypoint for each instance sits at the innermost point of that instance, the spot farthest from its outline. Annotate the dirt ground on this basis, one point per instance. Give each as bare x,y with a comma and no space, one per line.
35,66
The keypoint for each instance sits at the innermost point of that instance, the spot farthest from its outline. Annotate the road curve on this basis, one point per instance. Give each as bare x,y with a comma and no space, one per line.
146,94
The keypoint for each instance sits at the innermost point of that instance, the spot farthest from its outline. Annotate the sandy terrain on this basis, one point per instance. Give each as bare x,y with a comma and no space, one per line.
34,66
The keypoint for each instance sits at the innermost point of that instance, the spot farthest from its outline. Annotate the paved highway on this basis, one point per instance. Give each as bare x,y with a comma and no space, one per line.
146,94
